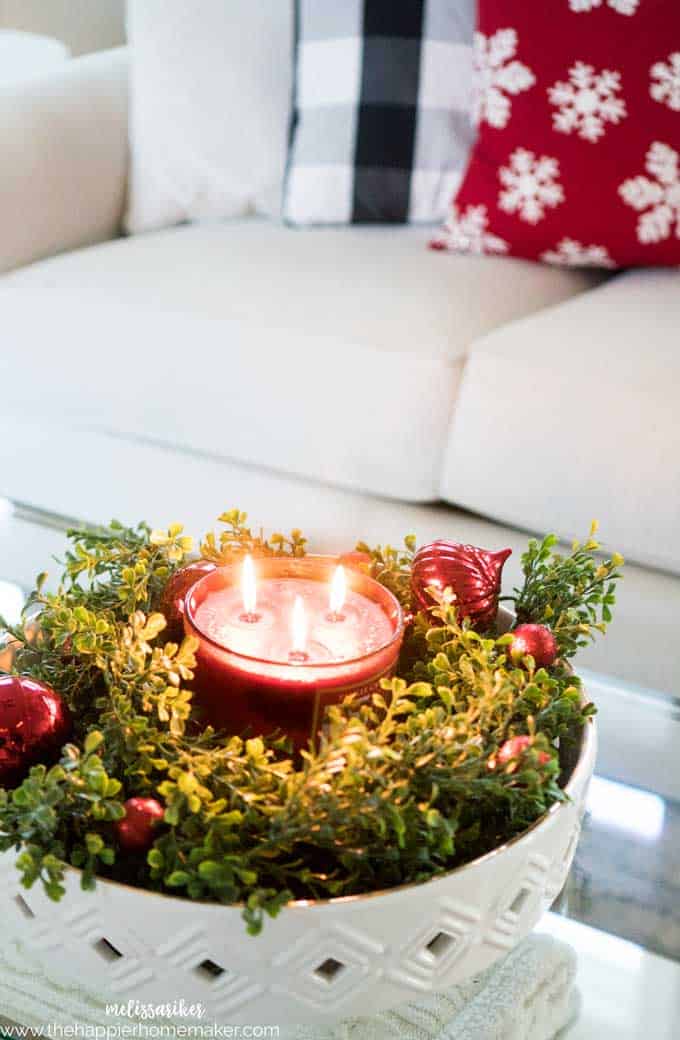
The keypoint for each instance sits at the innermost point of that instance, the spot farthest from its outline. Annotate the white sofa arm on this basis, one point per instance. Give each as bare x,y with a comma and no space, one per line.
63,141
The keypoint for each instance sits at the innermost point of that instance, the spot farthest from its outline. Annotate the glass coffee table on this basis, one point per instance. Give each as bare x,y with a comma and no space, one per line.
620,910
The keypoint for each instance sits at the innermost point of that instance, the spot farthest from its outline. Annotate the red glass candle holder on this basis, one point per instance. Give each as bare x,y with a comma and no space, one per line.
243,693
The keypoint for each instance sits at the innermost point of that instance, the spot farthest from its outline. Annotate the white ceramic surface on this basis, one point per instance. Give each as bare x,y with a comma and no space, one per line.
26,56
315,962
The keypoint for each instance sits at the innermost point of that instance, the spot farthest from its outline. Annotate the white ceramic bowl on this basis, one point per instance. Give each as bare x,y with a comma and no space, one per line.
317,961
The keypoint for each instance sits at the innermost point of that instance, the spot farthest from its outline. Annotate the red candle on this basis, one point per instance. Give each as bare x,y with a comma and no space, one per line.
277,646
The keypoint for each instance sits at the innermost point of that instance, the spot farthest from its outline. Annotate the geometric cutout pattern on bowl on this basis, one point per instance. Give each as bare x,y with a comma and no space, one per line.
527,894
107,951
207,969
330,969
330,965
23,906
434,950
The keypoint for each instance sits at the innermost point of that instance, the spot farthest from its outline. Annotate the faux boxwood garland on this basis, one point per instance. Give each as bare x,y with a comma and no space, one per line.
395,791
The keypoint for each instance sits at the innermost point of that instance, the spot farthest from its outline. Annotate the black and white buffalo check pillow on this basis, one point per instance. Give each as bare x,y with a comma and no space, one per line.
380,130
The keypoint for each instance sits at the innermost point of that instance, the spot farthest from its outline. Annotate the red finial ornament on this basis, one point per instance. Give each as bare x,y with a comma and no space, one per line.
35,723
135,832
473,574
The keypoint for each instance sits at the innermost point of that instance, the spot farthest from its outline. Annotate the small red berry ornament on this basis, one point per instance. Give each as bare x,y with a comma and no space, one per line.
135,832
35,723
536,640
514,748
473,574
174,595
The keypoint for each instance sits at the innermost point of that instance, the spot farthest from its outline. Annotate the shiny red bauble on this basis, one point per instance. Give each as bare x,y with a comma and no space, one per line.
473,574
174,595
136,831
536,640
35,723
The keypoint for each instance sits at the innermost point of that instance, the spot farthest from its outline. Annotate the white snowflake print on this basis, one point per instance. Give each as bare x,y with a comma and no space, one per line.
570,253
467,232
628,7
531,185
495,76
584,5
666,89
587,101
657,200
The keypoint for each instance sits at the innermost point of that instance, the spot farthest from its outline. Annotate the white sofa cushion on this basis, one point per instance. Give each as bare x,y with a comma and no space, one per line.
575,412
210,108
379,286
84,26
331,354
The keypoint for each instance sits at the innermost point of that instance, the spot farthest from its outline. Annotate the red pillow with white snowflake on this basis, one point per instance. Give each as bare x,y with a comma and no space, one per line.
578,156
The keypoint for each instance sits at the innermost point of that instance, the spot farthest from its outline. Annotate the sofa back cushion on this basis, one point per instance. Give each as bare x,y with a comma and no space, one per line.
82,25
210,104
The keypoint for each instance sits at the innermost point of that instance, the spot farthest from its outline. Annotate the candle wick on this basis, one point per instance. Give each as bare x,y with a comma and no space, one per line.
250,617
334,616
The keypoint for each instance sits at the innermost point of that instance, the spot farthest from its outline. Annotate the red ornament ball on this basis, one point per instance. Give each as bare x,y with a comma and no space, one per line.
473,574
135,832
174,595
515,747
35,723
536,640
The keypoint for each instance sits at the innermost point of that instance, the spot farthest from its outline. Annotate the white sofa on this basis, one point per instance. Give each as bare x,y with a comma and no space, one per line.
346,380
84,25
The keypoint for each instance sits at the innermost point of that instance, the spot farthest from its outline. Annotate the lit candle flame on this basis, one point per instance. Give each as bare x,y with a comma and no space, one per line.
338,591
299,629
249,587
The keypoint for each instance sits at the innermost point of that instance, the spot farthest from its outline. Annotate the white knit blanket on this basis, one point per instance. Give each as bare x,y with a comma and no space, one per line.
530,995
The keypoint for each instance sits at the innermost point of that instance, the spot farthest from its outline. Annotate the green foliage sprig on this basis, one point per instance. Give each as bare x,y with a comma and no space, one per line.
573,594
238,540
121,568
392,567
395,790
58,815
